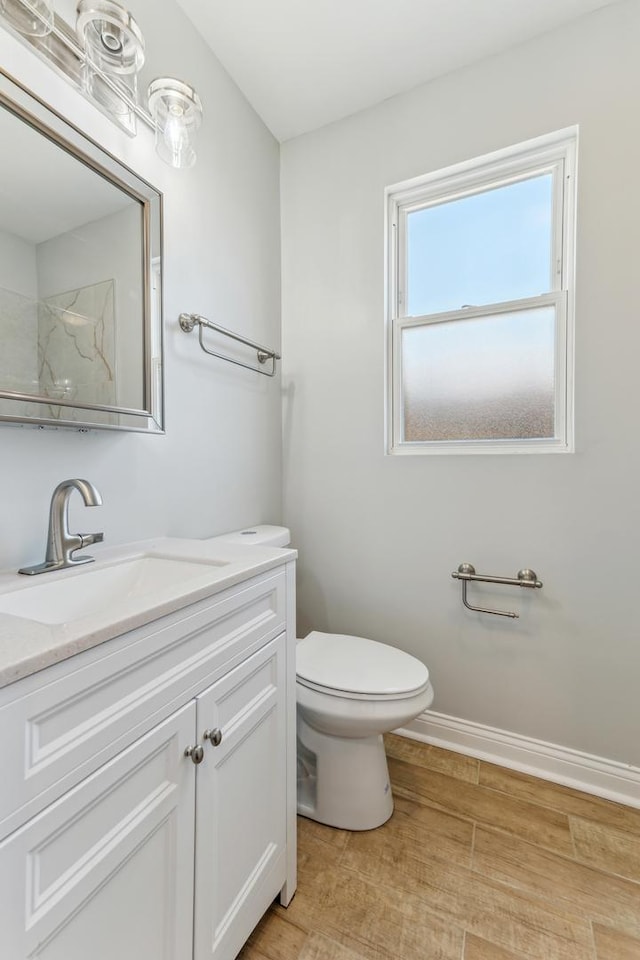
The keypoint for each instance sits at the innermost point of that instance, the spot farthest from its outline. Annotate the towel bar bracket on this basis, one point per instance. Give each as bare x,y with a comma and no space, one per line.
187,321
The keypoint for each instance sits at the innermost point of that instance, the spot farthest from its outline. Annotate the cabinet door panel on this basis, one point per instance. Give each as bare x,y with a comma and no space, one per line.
107,871
240,803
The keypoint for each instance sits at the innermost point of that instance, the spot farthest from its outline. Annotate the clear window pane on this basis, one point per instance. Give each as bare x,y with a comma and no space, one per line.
486,378
486,248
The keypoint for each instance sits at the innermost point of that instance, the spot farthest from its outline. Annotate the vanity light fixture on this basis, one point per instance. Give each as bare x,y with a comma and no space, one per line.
103,59
33,18
114,46
177,111
110,36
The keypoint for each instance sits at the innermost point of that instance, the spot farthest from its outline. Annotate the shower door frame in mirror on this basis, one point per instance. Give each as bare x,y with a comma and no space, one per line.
42,410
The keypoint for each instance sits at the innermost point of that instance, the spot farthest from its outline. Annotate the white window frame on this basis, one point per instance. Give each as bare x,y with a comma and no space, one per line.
554,153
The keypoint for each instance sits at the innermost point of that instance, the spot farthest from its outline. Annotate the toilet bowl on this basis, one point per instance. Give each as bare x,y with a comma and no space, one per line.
349,692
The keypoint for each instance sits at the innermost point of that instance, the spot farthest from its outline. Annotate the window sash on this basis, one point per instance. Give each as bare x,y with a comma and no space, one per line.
558,300
471,186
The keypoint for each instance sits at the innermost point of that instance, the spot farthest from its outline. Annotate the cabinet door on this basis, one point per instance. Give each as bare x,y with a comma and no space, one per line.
107,871
240,802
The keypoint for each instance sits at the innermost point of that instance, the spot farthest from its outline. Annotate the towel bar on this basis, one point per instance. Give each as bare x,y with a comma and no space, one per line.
188,321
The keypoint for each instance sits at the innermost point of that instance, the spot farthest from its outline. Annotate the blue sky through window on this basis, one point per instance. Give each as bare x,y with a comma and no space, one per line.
486,248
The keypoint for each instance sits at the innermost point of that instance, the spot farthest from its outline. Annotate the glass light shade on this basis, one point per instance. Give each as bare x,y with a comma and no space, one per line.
177,111
111,38
33,18
117,98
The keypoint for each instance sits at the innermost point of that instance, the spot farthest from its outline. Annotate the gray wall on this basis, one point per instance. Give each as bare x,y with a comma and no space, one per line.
378,535
219,465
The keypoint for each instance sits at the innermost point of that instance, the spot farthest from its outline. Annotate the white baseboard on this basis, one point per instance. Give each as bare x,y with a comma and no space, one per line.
572,768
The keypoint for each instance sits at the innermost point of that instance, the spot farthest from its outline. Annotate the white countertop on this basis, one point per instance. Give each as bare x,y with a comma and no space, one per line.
27,646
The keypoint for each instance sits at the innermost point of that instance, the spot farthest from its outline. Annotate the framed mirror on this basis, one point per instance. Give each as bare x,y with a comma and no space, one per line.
80,277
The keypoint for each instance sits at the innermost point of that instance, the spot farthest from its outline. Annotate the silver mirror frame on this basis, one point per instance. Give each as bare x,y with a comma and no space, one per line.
48,122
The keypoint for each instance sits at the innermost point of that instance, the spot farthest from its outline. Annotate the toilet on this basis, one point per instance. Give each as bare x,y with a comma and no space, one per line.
349,691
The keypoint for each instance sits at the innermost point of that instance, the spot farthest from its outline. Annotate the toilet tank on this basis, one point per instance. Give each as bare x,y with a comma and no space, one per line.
262,535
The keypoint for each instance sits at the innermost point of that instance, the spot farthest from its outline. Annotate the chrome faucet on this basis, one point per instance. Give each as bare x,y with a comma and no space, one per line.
61,544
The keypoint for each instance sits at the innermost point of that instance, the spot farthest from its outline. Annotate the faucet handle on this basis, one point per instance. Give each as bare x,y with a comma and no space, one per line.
88,538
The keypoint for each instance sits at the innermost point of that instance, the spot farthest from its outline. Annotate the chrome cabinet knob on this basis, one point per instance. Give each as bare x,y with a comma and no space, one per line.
215,736
196,753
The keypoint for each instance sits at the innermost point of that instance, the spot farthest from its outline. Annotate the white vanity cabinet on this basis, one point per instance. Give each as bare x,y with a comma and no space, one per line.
115,843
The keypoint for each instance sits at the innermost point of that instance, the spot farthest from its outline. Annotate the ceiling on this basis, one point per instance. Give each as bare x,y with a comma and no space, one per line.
305,63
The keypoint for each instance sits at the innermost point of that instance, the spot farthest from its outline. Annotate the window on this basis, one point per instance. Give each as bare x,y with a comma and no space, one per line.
480,281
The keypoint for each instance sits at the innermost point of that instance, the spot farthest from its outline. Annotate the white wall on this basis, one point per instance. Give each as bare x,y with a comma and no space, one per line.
219,465
18,271
379,536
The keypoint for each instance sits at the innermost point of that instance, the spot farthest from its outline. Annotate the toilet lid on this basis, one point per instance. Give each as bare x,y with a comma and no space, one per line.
357,665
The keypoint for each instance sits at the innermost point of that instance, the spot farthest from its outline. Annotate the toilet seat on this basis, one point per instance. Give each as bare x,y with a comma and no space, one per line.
349,695
357,668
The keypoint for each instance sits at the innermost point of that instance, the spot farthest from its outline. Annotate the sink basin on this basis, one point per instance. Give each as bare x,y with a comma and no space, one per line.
85,593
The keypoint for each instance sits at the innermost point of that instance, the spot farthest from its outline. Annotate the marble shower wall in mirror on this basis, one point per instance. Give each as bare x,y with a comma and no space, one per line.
19,338
63,348
76,347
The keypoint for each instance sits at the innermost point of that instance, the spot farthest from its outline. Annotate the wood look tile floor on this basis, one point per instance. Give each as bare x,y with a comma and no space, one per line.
476,863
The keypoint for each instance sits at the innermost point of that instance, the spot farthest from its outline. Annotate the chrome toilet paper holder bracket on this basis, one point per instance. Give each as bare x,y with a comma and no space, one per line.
467,572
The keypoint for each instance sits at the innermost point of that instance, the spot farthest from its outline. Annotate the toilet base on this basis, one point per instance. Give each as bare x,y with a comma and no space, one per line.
343,782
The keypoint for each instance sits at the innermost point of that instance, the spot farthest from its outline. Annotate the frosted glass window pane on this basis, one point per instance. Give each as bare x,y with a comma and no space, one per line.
486,378
486,248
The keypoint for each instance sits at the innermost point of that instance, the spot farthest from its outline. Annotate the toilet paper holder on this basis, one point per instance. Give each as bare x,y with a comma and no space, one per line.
524,578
